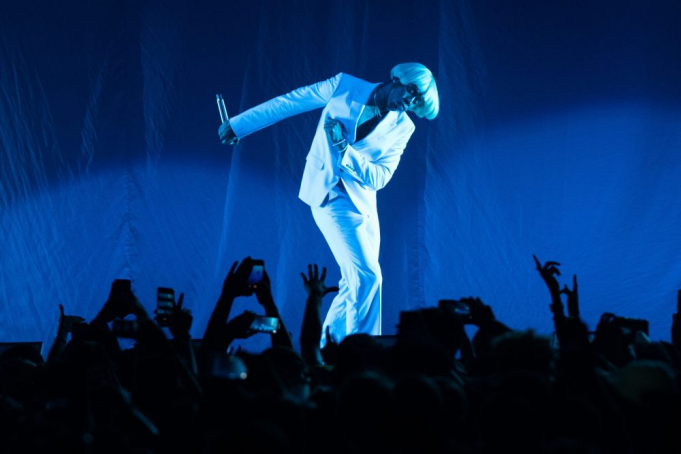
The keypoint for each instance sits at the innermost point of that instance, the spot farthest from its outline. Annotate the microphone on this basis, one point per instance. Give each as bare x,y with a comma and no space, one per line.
221,107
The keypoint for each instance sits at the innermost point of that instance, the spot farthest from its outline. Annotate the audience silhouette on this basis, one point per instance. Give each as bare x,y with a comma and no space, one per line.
433,389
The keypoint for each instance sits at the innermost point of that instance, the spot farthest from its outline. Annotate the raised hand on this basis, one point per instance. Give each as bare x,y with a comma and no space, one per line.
122,301
572,298
240,326
676,323
311,330
330,350
314,283
180,320
66,322
263,293
236,282
548,272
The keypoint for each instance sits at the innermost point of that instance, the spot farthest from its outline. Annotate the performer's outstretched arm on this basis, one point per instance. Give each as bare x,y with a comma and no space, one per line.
298,101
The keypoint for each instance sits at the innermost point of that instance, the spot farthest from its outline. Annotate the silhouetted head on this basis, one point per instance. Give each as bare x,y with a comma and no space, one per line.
522,350
358,353
293,371
646,383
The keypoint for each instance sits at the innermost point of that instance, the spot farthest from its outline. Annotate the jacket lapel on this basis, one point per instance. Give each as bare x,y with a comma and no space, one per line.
360,96
385,125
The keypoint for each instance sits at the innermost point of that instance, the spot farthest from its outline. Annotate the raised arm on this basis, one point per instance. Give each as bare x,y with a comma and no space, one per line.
676,323
311,330
235,285
263,292
548,273
66,323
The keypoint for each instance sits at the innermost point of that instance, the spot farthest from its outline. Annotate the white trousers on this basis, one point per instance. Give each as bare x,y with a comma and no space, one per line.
354,239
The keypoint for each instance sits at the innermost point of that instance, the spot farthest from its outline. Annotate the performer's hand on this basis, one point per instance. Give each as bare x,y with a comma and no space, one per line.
334,131
227,135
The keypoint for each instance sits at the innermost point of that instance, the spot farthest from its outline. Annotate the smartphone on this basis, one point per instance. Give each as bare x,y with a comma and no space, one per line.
262,324
165,300
230,367
455,306
257,272
632,324
125,328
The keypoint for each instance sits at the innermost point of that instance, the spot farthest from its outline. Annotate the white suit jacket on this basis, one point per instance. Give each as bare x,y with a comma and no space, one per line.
367,165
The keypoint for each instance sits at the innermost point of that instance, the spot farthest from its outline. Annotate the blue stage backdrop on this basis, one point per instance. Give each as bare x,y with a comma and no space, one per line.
559,135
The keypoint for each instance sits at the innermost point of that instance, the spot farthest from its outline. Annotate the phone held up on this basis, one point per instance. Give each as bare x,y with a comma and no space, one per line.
165,300
229,367
262,324
457,307
256,275
125,328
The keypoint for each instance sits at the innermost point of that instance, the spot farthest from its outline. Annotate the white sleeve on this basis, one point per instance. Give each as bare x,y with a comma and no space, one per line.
298,101
375,174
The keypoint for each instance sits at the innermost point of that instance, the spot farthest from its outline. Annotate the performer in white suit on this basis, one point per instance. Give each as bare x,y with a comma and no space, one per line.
361,135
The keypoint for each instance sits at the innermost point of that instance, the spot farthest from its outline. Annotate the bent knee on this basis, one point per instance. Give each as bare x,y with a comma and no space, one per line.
371,274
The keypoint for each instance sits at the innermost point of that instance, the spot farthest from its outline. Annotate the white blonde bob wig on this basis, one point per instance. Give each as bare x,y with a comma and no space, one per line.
422,78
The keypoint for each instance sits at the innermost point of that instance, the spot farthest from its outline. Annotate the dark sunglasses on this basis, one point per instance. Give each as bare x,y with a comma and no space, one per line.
412,90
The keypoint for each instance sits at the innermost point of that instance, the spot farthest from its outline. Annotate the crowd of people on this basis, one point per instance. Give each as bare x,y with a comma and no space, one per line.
433,390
